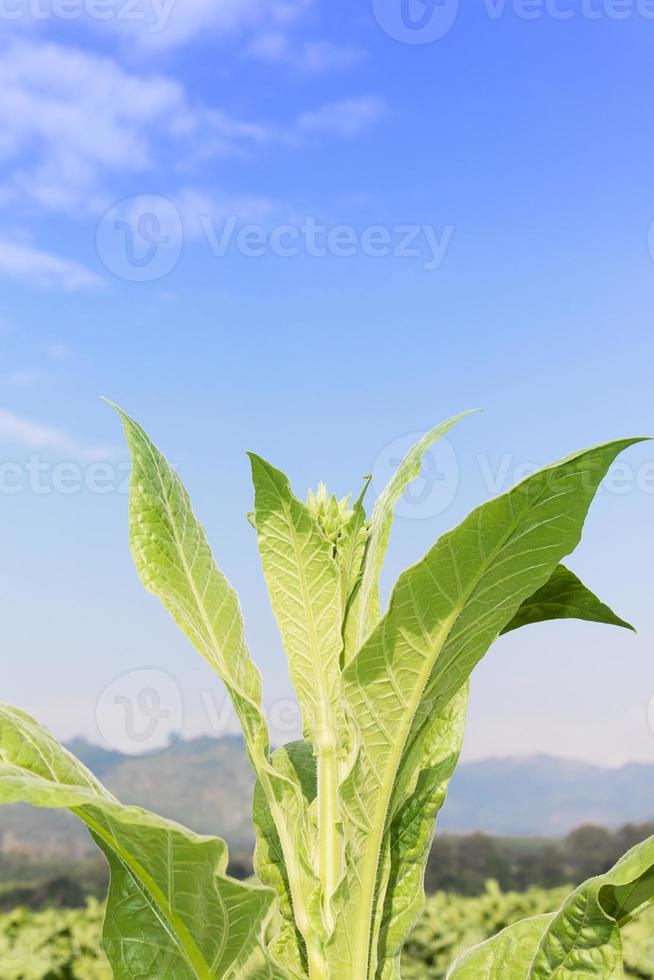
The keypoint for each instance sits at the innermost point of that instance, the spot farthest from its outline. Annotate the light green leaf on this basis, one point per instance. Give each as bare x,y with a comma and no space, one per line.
172,911
581,940
411,834
352,548
443,615
564,596
365,611
288,948
304,586
507,956
175,562
305,592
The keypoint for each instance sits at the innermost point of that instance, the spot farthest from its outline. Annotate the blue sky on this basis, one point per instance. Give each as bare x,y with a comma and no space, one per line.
311,230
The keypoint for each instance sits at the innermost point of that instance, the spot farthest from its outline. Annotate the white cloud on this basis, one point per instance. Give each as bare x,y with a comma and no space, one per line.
77,129
75,117
43,269
35,436
313,57
345,118
160,24
71,121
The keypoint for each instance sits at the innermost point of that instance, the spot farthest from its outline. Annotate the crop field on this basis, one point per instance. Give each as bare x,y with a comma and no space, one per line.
60,944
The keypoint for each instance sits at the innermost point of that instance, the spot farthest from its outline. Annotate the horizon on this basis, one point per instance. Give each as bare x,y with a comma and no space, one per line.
237,737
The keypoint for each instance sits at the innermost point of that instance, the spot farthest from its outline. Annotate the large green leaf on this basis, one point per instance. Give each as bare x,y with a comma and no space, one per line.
564,596
172,911
443,615
305,592
507,956
288,948
365,611
175,562
581,940
411,833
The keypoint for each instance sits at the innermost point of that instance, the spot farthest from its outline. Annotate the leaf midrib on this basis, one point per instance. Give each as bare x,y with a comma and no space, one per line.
173,925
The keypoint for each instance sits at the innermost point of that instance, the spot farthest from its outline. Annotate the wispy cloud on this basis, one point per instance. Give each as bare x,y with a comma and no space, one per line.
345,118
314,57
35,436
77,128
161,24
44,269
71,122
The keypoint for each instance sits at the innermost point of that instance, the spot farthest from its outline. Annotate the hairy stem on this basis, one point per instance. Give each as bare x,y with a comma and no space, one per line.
330,848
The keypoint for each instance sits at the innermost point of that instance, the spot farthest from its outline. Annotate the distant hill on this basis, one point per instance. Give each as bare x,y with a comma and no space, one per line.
207,784
545,796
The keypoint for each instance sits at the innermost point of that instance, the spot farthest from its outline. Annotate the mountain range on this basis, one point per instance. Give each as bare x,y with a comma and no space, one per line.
206,783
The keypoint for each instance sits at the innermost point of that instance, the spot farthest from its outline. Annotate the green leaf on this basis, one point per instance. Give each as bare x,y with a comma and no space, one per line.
171,911
305,592
288,948
365,611
175,562
507,956
564,596
443,615
352,548
411,834
581,940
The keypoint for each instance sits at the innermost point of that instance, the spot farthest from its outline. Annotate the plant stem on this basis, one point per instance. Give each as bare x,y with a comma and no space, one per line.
329,848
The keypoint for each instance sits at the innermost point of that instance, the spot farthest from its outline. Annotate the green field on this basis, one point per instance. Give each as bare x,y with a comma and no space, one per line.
58,944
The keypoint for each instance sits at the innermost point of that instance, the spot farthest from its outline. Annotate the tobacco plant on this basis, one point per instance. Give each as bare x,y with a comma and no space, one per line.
344,818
